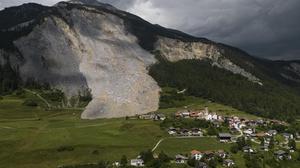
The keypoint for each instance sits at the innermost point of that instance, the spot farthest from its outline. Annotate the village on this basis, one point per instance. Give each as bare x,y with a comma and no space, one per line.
249,136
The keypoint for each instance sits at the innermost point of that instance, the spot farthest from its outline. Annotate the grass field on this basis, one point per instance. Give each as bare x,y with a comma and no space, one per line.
30,137
173,146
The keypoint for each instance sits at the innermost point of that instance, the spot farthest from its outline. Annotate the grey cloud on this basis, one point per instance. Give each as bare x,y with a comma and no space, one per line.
264,28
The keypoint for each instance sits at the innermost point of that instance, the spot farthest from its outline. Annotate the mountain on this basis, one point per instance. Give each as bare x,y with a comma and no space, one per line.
124,61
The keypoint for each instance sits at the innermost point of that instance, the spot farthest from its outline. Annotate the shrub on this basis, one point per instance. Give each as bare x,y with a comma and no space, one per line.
30,102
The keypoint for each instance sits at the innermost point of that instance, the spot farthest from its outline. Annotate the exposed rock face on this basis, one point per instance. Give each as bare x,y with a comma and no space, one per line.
97,53
176,50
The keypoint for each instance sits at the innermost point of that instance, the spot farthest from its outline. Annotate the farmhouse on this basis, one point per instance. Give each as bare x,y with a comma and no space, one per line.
224,137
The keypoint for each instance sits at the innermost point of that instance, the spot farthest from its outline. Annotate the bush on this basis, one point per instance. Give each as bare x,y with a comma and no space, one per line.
30,102
1,98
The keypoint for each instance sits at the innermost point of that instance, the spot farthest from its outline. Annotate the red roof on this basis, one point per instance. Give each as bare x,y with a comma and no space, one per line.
194,152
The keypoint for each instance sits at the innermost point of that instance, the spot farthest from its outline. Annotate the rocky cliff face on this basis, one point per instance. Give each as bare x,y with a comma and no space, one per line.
88,45
176,50
94,52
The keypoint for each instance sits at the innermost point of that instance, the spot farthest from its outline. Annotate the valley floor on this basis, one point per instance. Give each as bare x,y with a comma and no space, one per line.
35,137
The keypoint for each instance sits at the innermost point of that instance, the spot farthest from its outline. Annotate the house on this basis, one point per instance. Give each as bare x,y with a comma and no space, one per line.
248,149
222,154
288,136
185,114
197,155
248,132
184,132
282,155
180,159
209,155
161,117
224,137
271,133
228,163
146,116
172,131
137,162
201,165
197,132
211,117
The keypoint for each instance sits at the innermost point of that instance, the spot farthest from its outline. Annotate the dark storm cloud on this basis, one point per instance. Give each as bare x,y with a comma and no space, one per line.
265,28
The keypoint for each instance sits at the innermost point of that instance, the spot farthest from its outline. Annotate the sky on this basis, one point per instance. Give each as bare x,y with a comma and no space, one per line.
263,28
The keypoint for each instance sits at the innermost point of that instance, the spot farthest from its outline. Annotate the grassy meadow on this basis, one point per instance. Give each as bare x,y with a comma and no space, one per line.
33,137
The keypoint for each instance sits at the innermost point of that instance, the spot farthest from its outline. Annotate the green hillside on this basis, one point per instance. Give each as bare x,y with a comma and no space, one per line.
200,79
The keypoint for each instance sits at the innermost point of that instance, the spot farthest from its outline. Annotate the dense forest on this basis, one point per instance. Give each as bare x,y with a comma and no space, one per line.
9,79
201,79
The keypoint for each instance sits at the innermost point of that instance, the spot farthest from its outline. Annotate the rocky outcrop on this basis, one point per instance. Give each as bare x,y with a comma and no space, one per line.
176,50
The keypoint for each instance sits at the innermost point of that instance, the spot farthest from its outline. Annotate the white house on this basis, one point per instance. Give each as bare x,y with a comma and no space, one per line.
137,162
248,131
197,155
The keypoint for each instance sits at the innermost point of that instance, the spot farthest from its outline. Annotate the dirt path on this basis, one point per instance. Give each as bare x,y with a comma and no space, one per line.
157,144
